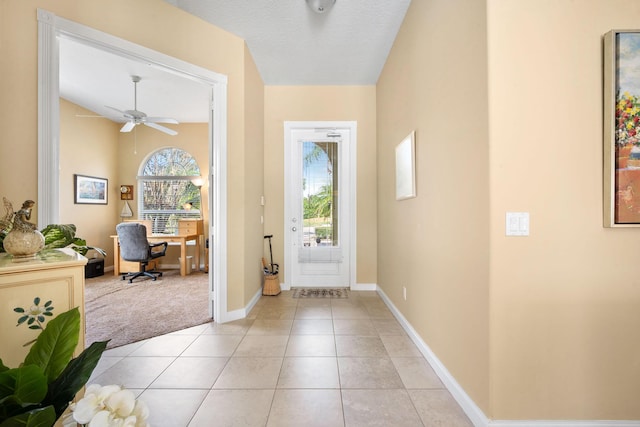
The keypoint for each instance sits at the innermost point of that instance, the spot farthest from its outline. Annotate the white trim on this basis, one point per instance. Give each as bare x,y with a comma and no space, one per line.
469,407
571,423
50,28
364,287
48,121
242,313
475,414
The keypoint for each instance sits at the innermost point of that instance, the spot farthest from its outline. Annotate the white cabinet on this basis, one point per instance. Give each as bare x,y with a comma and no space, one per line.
56,275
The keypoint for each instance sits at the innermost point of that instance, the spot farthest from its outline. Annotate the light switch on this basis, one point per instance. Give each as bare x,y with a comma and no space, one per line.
517,223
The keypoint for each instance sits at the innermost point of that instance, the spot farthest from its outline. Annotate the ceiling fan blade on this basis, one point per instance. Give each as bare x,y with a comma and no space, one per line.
161,128
128,127
115,109
161,120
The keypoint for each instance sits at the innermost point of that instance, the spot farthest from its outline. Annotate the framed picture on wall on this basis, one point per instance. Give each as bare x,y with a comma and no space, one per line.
621,128
405,167
89,190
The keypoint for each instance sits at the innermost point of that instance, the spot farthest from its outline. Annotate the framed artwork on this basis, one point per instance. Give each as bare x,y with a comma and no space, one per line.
405,168
621,129
89,190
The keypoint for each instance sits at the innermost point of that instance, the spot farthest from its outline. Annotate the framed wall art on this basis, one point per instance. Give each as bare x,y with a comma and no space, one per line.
621,128
89,190
405,167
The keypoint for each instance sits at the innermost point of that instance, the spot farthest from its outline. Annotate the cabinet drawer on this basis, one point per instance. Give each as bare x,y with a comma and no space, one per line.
190,226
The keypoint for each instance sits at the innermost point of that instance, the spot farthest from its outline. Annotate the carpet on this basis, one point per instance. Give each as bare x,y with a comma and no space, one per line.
124,313
320,293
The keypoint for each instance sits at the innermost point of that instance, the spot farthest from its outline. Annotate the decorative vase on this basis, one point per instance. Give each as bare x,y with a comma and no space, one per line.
23,245
634,158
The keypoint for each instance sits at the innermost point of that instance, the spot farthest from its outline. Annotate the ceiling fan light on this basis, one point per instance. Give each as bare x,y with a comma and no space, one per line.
320,6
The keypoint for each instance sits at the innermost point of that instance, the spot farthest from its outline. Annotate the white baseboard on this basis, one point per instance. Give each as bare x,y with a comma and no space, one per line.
242,313
364,287
475,414
570,423
469,407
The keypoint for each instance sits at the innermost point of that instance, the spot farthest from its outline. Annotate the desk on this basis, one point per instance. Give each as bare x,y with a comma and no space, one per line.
169,238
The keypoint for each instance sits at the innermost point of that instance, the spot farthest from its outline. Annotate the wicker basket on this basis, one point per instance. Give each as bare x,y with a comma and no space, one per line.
271,284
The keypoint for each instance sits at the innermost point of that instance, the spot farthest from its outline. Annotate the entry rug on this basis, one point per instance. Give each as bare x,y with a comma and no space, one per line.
320,293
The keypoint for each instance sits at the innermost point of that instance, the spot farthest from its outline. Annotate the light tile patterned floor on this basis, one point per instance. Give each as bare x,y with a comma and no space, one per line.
292,362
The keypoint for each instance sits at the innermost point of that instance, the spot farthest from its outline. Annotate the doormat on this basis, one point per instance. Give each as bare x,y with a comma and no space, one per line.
320,293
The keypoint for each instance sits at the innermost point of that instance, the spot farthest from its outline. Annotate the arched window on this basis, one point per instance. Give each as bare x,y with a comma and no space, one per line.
166,189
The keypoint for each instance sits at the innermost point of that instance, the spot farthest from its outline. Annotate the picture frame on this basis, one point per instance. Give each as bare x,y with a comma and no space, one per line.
90,190
405,168
621,138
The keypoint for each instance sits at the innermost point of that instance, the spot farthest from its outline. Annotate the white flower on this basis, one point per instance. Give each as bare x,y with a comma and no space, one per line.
110,406
121,403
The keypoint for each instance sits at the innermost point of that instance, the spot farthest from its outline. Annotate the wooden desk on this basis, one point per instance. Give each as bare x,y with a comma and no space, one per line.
181,238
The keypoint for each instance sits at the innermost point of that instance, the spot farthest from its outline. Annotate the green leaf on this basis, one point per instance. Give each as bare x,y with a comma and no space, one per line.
74,377
3,367
55,345
39,417
20,388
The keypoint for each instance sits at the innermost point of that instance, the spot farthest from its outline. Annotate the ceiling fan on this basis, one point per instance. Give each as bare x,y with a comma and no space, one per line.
135,117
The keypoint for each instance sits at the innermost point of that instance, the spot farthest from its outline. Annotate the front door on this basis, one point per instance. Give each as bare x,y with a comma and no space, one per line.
319,199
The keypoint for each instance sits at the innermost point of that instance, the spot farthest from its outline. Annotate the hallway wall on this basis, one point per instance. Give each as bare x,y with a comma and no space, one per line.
437,244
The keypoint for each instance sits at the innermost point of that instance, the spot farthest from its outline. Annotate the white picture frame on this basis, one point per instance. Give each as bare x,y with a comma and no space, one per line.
405,168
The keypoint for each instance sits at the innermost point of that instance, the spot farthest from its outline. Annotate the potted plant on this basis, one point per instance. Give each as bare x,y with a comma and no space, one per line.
39,391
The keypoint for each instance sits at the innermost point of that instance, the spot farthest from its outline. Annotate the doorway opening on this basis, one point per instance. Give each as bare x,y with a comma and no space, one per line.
51,29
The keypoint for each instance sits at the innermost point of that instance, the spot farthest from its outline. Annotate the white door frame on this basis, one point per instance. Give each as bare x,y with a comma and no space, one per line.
351,227
50,28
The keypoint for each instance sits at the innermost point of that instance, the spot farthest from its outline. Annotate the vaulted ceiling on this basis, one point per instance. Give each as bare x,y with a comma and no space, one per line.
291,44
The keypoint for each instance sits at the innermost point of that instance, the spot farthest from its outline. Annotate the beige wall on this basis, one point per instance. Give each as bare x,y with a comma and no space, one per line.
151,23
254,184
323,103
538,327
437,244
88,146
565,301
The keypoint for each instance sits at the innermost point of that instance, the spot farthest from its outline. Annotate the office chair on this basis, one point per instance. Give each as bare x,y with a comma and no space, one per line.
135,247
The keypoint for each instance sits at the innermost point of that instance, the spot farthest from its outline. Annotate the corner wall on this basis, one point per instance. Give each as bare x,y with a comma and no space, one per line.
437,244
88,146
254,186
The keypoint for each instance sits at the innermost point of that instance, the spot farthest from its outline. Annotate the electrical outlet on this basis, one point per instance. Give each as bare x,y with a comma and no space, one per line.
404,293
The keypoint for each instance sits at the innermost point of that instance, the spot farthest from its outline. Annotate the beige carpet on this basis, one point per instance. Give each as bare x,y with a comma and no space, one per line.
124,313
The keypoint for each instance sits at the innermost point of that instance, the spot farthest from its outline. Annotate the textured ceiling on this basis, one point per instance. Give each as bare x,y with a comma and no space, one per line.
292,45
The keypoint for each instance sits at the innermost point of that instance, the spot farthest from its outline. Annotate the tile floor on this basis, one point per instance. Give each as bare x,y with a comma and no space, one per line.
292,362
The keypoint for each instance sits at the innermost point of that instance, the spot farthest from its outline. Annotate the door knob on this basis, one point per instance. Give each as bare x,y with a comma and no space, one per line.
293,229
